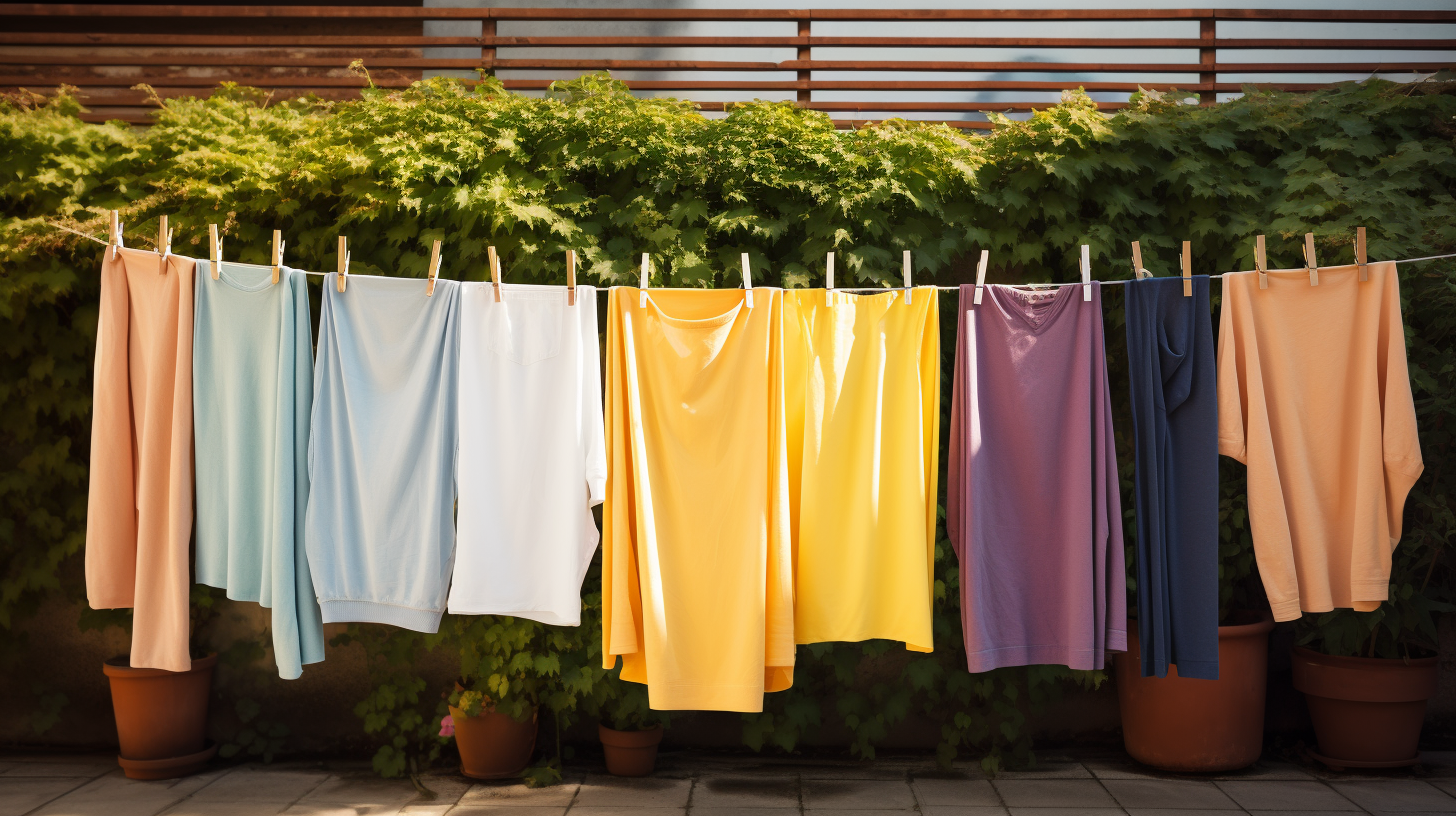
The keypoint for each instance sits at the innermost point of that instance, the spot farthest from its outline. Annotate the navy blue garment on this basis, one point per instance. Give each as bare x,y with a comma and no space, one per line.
1171,366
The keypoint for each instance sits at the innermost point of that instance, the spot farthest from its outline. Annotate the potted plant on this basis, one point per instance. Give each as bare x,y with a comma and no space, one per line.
495,741
161,716
630,731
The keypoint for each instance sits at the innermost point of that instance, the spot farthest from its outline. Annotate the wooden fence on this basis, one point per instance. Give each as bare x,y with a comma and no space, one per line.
180,50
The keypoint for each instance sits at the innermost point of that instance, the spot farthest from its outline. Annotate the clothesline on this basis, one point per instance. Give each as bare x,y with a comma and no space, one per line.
879,289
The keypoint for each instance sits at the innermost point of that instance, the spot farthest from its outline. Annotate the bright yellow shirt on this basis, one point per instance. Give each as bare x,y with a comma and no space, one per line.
863,384
697,581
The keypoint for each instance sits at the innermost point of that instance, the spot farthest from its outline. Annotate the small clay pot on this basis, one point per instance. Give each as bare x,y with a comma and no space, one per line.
1367,711
161,718
630,753
1186,724
492,745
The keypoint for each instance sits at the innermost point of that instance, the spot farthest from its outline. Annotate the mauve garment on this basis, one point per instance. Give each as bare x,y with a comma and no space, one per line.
1174,378
1032,504
139,508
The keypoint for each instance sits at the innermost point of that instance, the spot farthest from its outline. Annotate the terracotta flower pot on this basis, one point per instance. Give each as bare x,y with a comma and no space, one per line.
492,745
630,753
1367,712
1183,724
161,718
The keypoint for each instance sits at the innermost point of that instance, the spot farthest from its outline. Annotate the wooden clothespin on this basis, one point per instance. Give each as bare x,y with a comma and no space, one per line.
646,271
1086,273
214,250
1137,262
1261,262
493,260
1360,253
981,274
905,269
164,244
342,279
1187,258
434,270
829,280
747,284
570,277
277,254
1309,259
114,239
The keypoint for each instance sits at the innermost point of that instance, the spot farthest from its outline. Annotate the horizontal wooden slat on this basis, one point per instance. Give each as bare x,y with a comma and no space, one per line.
70,10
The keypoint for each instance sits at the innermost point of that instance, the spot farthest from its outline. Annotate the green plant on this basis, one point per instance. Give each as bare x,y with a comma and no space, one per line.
594,169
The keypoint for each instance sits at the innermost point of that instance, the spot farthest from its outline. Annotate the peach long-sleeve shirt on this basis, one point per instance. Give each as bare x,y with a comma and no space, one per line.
139,509
1315,397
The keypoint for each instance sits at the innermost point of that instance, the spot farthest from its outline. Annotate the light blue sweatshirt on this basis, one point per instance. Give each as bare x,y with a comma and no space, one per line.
252,391
381,528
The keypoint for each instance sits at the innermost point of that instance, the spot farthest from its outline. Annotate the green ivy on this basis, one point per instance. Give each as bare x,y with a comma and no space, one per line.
592,168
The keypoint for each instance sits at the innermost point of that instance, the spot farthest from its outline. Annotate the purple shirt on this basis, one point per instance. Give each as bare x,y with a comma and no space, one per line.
1032,501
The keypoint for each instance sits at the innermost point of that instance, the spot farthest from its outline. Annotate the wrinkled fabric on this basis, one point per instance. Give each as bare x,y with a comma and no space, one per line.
139,500
381,455
1173,384
532,452
697,564
863,384
1032,500
1315,398
252,393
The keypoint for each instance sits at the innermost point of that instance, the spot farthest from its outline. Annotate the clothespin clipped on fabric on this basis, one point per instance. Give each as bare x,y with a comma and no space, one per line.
1309,259
114,239
1261,262
342,279
434,270
494,261
646,271
747,284
1360,254
164,244
1137,262
981,274
277,254
1187,258
570,277
1086,273
829,280
214,250
905,269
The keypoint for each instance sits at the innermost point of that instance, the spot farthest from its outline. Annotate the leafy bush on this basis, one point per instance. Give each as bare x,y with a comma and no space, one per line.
593,169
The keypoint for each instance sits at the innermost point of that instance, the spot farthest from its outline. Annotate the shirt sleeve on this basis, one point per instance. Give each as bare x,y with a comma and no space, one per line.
619,563
1232,393
1401,444
593,435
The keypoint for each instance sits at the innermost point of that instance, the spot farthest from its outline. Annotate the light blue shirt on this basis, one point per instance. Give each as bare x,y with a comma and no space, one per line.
252,391
381,528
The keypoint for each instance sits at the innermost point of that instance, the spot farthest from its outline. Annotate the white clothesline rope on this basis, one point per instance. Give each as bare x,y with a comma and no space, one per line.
604,290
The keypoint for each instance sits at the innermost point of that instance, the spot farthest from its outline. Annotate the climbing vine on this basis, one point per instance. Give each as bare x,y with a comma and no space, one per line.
592,168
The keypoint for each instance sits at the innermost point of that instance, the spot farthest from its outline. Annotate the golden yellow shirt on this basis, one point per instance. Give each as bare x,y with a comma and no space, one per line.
863,384
697,581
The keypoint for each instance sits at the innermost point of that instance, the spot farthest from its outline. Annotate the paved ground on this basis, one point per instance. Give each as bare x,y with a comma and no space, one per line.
716,786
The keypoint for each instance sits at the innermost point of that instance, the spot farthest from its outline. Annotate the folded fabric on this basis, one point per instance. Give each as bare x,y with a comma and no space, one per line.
139,504
252,392
532,454
1032,500
697,571
381,454
1173,379
863,385
1315,397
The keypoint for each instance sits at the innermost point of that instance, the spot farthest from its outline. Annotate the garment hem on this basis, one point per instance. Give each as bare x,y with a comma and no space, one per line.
419,620
545,616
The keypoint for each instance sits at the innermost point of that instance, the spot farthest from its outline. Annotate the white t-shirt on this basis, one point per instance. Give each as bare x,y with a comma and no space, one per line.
532,459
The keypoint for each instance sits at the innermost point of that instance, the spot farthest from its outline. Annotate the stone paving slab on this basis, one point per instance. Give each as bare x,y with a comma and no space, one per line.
730,786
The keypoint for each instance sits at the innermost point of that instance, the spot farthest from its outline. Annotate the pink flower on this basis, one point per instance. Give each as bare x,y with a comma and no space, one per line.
447,726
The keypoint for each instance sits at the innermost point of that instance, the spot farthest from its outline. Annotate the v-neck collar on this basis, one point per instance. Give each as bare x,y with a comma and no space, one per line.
1008,300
